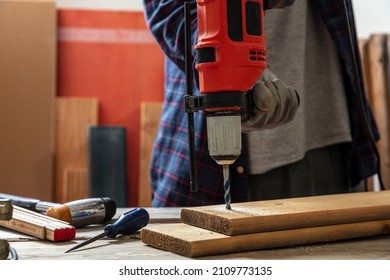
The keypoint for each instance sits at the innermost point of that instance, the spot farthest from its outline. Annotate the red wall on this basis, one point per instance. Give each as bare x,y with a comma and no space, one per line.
111,56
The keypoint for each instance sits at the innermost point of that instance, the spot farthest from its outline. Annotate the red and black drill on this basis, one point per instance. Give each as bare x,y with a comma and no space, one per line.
231,56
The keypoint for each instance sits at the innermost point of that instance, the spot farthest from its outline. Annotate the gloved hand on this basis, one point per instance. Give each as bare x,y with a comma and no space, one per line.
273,103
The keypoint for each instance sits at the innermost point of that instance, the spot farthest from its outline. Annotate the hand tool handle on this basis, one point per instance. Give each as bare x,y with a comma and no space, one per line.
128,223
6,209
84,212
29,203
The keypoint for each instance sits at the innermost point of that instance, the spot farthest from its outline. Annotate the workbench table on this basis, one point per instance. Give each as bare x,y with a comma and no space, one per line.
132,248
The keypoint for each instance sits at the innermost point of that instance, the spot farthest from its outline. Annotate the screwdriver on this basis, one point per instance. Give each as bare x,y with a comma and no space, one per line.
127,223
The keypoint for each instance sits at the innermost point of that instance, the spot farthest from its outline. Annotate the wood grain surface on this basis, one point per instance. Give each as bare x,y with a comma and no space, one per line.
190,241
292,213
379,98
74,115
150,122
126,247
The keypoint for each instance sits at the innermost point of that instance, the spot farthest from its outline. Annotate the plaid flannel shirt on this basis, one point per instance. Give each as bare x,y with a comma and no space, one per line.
170,158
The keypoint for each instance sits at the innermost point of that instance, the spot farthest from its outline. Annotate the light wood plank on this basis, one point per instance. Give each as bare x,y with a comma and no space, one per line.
75,180
192,242
379,99
370,182
283,214
150,122
74,115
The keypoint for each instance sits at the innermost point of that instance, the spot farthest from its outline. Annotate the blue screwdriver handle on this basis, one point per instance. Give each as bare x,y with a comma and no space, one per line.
128,223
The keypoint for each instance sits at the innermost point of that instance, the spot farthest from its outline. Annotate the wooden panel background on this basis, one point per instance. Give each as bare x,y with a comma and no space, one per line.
74,115
375,61
112,56
150,122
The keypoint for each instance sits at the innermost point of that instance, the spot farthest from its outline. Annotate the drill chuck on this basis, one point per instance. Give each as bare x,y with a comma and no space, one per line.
224,137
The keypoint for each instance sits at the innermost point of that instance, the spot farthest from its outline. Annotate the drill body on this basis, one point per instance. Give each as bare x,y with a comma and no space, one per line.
231,56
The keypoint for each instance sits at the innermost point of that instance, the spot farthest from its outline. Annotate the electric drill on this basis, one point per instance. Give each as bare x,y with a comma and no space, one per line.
231,56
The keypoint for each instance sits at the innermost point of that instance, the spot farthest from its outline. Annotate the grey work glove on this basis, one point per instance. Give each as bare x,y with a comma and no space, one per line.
273,103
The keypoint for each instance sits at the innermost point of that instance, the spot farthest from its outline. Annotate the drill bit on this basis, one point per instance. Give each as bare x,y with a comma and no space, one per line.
226,186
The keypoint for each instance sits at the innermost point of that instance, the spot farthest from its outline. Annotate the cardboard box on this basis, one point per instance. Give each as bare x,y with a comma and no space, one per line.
27,92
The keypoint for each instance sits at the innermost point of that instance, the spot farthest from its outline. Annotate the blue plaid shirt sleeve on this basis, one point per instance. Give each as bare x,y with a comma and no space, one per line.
169,171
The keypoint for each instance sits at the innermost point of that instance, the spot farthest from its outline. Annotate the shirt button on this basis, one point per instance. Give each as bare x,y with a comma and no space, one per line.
240,169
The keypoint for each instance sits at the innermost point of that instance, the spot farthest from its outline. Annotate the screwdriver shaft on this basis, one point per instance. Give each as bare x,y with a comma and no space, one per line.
127,223
86,242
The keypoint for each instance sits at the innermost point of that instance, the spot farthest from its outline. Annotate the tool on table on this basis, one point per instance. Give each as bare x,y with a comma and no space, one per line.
6,210
127,223
4,249
231,56
78,213
39,225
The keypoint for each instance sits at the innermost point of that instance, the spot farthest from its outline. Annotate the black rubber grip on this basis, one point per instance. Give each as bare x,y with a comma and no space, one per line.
110,206
25,202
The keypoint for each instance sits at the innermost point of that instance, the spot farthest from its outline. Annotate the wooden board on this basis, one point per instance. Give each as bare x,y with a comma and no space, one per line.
283,214
150,122
371,182
75,181
379,99
191,241
74,115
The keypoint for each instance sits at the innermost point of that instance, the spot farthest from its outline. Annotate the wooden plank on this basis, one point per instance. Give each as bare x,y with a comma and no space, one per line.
379,97
75,180
283,214
370,182
150,122
74,115
190,241
126,249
